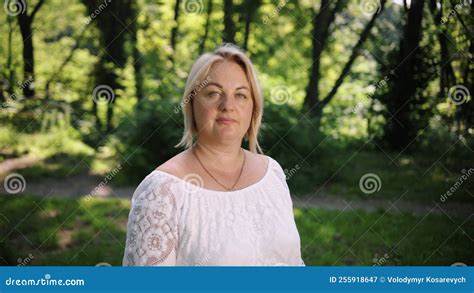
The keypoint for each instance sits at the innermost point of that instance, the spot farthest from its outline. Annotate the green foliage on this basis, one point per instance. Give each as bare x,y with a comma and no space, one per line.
147,139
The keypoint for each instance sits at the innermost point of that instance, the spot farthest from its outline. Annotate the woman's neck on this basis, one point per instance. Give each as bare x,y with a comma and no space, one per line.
222,157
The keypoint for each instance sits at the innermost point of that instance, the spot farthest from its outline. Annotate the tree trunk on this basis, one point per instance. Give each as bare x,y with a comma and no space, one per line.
202,45
248,20
11,72
25,22
229,26
110,23
321,23
447,77
137,56
174,30
399,131
468,79
251,8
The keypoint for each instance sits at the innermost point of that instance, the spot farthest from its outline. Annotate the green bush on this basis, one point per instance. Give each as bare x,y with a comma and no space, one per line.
147,139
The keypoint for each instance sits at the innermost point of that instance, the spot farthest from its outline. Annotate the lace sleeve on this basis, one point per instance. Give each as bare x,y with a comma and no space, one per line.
152,225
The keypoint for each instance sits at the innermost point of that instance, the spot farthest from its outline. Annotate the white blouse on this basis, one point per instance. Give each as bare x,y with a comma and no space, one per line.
173,222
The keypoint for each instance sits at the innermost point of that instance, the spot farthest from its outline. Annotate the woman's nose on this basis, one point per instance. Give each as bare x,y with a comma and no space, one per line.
228,102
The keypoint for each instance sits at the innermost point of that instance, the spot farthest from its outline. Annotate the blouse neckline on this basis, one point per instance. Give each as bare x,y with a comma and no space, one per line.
267,172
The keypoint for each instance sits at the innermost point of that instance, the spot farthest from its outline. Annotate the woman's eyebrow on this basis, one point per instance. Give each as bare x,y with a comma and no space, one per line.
243,87
214,84
220,86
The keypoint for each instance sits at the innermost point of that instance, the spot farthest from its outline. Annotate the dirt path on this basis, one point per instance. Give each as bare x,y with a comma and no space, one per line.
81,185
10,165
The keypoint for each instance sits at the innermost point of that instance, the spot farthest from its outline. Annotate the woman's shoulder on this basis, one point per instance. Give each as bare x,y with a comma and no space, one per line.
260,159
275,166
272,163
176,165
156,185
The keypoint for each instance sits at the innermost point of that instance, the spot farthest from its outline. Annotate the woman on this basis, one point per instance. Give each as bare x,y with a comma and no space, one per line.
216,204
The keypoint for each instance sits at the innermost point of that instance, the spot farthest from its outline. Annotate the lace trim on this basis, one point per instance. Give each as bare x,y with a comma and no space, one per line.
152,227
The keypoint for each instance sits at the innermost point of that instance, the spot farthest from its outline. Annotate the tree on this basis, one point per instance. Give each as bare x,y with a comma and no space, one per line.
174,30
447,77
229,26
202,45
321,23
111,19
137,55
11,73
25,22
59,71
251,8
347,67
402,126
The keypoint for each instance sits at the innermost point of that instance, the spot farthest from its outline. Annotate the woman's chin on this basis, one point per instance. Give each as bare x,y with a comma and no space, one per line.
227,135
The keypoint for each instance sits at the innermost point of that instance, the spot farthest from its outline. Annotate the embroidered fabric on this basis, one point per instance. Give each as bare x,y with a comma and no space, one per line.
173,222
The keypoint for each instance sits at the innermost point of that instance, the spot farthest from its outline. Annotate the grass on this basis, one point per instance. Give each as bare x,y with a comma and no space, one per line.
360,238
89,231
57,231
418,178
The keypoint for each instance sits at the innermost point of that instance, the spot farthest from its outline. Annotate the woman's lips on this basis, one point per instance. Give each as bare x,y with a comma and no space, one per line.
226,121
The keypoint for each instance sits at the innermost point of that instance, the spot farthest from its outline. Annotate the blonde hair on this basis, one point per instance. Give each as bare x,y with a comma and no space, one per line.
198,79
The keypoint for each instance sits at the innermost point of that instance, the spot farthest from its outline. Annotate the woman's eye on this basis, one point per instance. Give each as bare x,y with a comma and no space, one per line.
241,96
213,94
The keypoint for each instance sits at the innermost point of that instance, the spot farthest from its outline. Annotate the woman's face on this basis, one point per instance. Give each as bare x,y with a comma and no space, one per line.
223,109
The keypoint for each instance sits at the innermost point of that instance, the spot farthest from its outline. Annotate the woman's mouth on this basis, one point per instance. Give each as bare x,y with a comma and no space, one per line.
225,120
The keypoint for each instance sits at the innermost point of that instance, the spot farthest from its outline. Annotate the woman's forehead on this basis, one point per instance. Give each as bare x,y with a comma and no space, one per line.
228,73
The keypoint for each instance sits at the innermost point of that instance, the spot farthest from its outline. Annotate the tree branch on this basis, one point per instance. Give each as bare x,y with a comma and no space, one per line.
35,10
468,32
68,58
355,52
